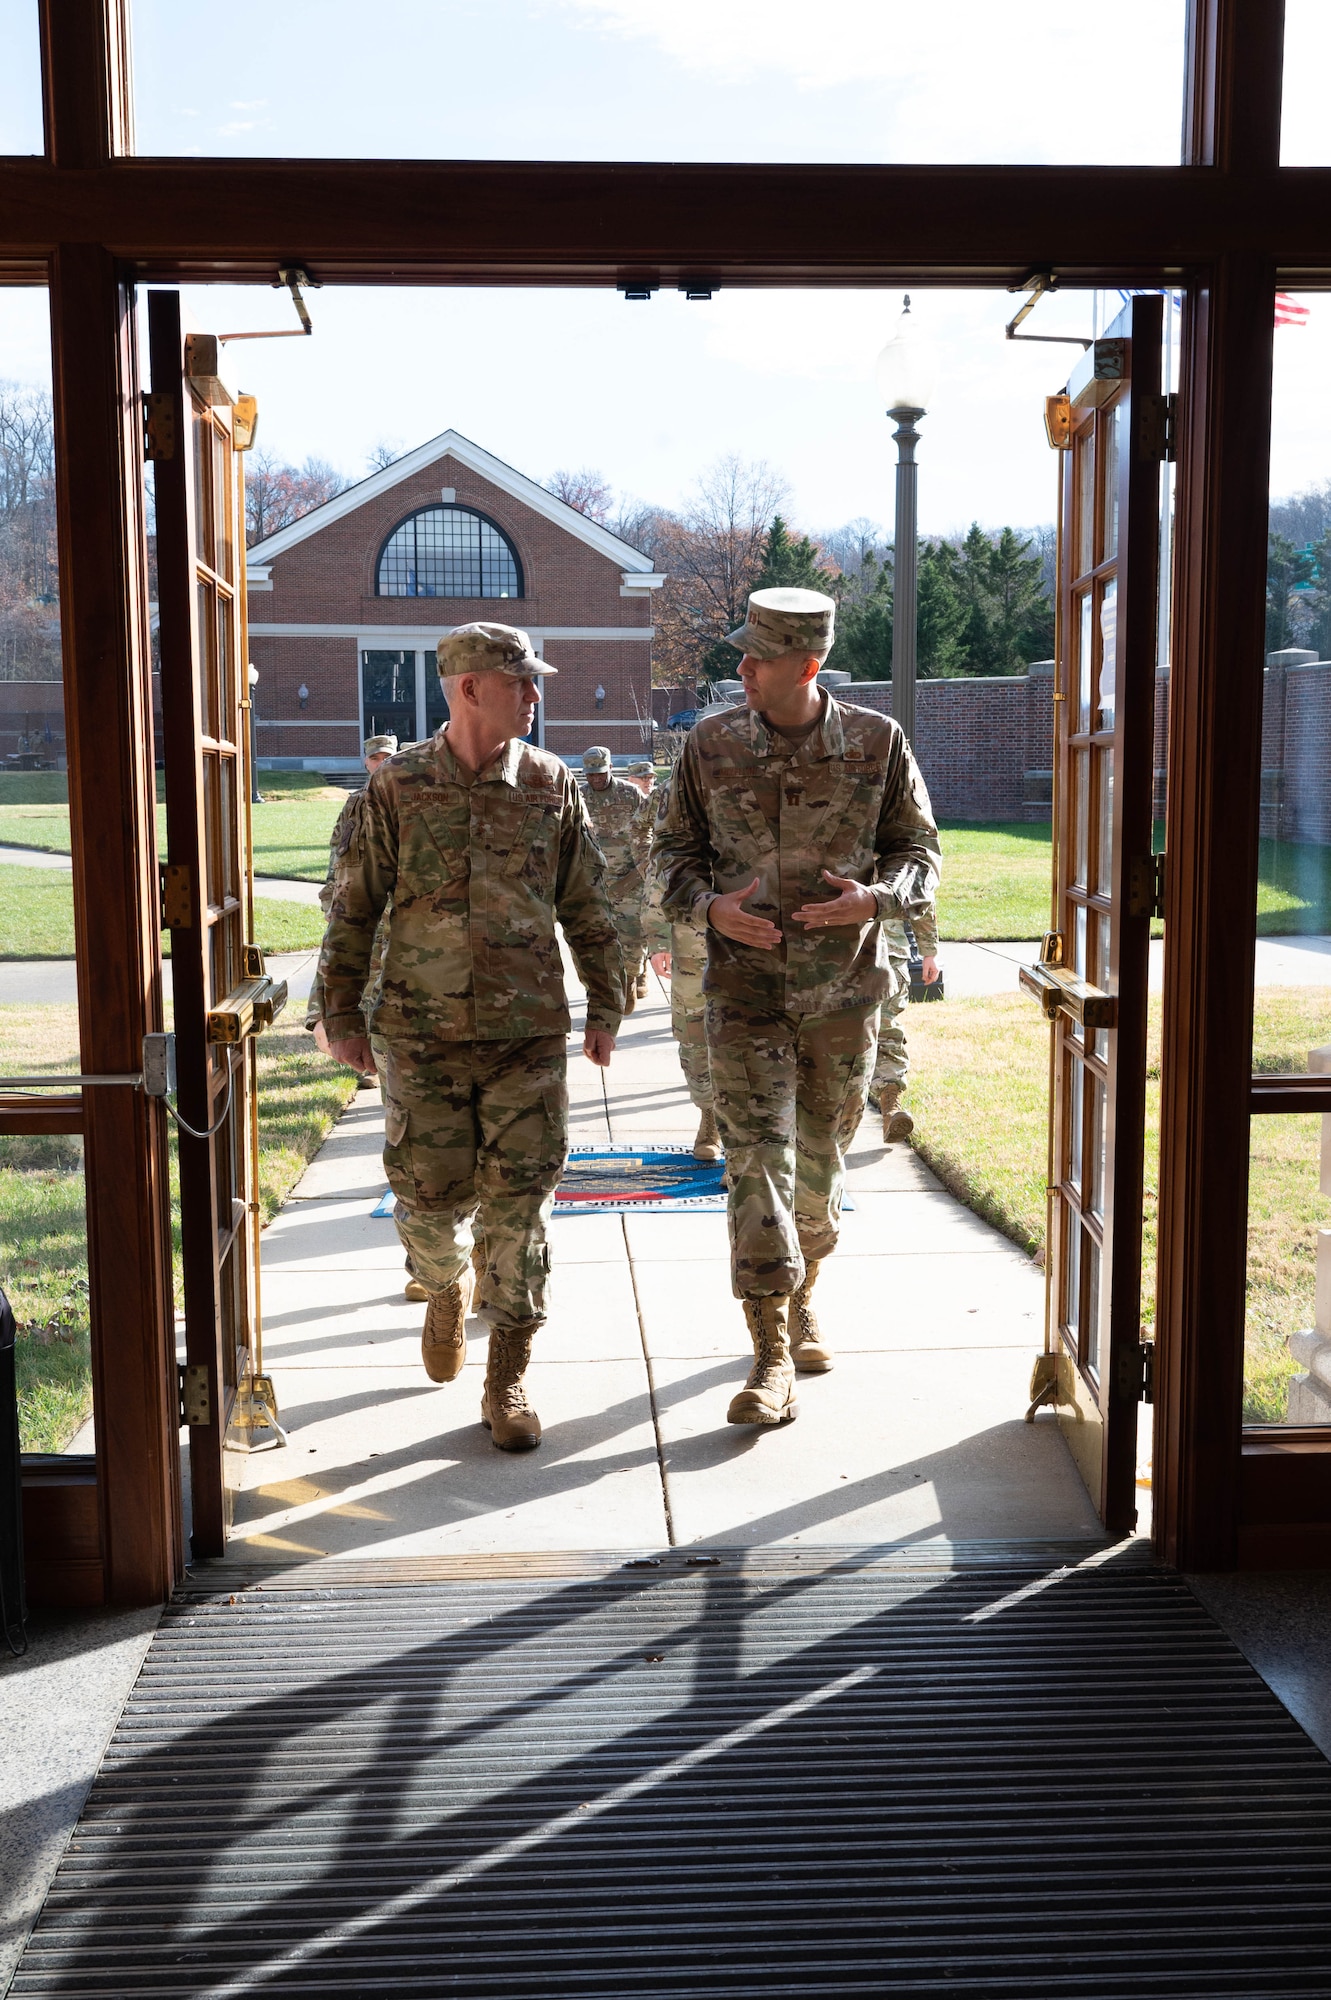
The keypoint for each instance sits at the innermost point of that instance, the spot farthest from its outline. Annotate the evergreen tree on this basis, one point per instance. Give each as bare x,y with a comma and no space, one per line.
942,613
1286,568
790,564
864,621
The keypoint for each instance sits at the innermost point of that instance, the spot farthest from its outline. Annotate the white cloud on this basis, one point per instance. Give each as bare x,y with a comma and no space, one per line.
961,79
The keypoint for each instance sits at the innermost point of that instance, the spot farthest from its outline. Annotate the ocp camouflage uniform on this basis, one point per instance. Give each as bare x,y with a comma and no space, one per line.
621,818
893,1060
790,1031
687,945
345,838
470,1001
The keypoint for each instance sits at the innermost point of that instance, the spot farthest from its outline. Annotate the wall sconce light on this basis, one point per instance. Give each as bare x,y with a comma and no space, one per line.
302,694
600,697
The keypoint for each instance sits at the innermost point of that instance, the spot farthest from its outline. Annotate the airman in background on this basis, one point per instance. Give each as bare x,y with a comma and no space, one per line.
643,775
792,828
474,843
622,821
892,1065
376,750
678,952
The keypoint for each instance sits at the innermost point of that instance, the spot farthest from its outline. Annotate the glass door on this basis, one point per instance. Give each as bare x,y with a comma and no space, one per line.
222,997
1112,424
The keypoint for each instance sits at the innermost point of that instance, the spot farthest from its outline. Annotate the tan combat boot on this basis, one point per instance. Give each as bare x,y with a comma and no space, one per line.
896,1124
768,1397
444,1335
808,1350
707,1145
510,1419
640,986
415,1291
630,996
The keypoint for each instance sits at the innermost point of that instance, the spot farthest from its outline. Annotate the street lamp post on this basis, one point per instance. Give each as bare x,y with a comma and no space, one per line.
903,379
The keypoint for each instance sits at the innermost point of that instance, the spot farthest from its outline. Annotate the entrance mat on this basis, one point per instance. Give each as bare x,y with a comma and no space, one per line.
624,1180
1016,1777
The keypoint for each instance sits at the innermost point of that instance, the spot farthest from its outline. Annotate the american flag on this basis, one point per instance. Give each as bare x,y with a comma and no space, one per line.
1289,312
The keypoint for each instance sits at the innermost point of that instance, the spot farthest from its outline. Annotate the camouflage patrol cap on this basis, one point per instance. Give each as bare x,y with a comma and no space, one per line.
488,649
644,769
598,758
380,746
785,621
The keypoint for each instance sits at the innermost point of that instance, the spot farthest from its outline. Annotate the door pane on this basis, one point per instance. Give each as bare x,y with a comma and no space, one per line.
1090,1339
20,79
1081,816
1110,424
1076,1076
623,79
1104,838
1108,655
1287,1337
1085,661
1305,136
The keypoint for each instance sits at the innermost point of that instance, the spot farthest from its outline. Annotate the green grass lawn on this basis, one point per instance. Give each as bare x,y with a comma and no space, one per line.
995,873
291,828
37,918
43,1239
978,1092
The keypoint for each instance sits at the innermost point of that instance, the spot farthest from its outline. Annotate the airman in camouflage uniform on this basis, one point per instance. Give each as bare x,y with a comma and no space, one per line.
791,834
892,1065
346,831
621,819
476,861
684,946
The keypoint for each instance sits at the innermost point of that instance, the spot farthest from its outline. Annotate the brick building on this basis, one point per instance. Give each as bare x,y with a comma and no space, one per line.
347,604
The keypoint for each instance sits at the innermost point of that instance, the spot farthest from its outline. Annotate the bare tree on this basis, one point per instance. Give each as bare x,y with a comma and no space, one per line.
29,573
277,494
587,490
386,452
712,555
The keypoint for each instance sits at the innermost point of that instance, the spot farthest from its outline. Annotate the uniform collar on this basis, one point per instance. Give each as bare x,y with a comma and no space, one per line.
826,739
503,769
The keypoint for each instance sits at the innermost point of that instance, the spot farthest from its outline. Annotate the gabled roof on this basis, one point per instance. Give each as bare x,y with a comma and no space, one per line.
451,444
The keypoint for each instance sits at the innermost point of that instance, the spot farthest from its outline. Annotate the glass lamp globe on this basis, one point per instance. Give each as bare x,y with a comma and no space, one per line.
904,370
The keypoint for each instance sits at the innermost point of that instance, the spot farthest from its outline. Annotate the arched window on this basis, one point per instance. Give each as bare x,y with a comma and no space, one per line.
448,552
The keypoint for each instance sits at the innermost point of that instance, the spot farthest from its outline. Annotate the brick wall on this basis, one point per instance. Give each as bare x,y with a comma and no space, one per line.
982,744
32,720
330,579
1296,748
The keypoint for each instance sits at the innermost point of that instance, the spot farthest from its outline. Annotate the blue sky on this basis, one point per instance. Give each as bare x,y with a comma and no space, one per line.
652,393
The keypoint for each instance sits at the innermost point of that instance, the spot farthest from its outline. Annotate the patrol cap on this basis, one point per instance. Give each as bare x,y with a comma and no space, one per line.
785,621
380,746
598,758
488,649
642,770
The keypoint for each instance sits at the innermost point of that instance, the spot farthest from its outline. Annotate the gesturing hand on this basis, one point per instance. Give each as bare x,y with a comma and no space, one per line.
725,914
598,1046
855,905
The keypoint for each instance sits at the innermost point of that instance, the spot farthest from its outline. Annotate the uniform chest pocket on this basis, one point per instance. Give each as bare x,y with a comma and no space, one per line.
741,821
534,839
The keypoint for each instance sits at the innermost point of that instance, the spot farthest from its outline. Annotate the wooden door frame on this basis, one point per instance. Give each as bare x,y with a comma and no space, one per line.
91,222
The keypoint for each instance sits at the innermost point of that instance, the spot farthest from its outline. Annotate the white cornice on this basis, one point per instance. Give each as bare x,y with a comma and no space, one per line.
428,635
451,444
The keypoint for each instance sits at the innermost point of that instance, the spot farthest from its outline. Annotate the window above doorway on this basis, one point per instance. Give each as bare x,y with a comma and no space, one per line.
447,551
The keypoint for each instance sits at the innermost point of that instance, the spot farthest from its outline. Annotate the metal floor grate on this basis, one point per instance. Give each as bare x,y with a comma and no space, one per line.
836,1774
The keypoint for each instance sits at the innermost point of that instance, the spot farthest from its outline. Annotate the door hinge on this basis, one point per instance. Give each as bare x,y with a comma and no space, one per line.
1146,886
1157,427
196,1400
177,901
159,424
1135,1372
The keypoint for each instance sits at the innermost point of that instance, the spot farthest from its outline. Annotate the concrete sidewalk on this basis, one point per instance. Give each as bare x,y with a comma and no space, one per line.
918,1433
